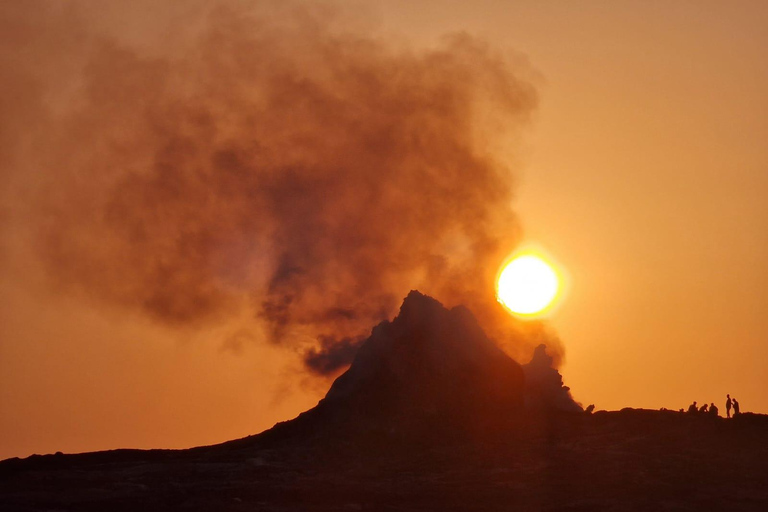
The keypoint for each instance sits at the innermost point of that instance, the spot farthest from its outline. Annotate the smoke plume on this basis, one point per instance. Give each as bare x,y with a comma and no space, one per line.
272,165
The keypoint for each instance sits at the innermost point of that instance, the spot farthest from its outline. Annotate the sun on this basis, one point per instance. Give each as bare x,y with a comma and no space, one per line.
527,285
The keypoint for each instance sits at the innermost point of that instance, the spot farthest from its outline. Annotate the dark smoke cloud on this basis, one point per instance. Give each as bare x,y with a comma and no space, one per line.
331,354
259,162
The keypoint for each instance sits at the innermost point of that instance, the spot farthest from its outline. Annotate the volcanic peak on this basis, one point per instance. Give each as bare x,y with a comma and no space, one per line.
429,361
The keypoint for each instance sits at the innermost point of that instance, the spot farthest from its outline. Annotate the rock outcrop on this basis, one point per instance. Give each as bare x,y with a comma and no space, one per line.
429,366
431,372
544,389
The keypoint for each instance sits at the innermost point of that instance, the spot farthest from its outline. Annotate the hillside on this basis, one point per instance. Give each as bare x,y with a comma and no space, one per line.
431,415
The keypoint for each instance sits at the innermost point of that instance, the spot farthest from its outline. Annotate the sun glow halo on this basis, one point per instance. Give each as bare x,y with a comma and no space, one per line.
527,285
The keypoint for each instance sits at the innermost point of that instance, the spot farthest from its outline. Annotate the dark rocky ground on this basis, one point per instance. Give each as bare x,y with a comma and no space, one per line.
626,460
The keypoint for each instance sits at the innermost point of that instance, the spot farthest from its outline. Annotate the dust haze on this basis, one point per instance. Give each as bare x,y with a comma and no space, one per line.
275,168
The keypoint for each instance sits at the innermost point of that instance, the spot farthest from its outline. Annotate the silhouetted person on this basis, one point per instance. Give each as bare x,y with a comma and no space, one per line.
735,407
692,408
728,406
703,409
590,409
713,410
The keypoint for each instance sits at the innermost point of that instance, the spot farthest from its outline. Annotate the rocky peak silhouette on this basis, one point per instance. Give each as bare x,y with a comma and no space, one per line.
431,371
428,365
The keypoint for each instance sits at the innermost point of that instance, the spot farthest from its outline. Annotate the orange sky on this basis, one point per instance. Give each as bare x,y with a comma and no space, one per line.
648,180
644,173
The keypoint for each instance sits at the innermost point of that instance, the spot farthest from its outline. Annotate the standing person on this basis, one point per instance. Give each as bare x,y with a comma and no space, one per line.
728,406
735,407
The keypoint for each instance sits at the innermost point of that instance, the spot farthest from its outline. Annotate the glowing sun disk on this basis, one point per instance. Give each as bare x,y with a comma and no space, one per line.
527,285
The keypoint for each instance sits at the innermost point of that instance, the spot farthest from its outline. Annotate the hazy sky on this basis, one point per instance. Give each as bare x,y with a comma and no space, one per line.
643,172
